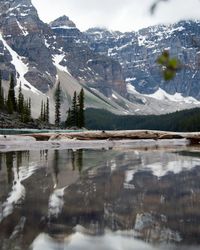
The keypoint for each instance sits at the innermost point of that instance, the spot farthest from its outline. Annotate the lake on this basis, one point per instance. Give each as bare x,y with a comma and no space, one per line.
112,199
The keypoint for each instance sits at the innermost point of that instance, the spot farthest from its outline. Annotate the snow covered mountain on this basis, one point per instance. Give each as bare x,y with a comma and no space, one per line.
40,58
115,69
137,53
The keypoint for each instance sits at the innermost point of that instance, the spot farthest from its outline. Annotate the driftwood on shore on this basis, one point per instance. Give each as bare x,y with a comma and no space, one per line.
194,138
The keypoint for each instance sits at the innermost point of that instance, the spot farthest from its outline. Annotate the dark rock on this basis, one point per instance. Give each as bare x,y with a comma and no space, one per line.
25,33
90,68
137,53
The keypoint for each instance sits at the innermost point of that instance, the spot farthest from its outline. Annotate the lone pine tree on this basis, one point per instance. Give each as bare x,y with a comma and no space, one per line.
57,105
47,110
74,116
1,94
11,101
20,100
81,115
41,112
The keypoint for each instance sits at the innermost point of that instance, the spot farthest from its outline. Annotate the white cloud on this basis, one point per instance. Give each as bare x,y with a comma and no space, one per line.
124,15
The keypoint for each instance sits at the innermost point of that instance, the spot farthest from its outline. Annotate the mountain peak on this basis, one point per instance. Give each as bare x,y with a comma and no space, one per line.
17,1
16,9
62,22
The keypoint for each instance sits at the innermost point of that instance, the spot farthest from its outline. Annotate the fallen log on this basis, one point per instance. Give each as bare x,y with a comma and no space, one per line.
194,137
116,135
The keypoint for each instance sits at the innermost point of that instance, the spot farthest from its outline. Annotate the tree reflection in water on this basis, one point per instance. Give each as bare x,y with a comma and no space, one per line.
75,196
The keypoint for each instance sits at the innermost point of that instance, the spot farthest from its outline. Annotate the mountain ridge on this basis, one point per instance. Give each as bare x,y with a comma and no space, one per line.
133,49
41,55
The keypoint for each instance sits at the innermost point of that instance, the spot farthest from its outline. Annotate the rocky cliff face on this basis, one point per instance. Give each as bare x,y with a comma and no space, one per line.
41,55
23,37
89,67
65,28
34,51
137,53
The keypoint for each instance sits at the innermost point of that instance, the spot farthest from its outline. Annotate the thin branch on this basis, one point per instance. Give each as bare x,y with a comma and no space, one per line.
155,4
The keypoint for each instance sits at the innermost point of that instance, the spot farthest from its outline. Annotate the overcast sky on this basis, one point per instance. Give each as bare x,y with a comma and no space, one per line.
123,15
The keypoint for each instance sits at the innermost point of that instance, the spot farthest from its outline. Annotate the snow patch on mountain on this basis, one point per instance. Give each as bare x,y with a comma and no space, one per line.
161,95
141,40
170,30
114,96
57,59
46,43
63,27
20,67
131,89
24,30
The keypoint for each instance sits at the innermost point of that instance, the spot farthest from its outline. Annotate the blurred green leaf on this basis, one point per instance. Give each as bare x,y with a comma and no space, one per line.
169,74
174,63
164,58
169,66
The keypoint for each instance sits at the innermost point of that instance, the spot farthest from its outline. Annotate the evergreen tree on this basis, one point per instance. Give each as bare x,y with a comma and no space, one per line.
1,94
24,107
74,114
57,105
44,113
11,102
41,111
47,111
29,108
68,122
20,100
2,105
0,80
81,114
26,113
9,106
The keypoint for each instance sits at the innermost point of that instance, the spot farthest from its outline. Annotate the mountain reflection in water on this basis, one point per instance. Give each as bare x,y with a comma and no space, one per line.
102,199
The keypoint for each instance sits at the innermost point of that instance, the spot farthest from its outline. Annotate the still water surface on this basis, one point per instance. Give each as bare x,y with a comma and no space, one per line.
117,199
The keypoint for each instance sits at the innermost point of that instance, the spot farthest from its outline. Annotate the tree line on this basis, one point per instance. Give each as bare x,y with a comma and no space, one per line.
76,115
22,106
180,121
11,104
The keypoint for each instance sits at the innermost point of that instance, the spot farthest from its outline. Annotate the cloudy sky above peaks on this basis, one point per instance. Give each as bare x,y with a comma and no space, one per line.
123,15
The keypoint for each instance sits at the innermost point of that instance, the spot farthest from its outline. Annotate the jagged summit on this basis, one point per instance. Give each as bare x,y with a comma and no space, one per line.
17,2
63,22
138,51
22,43
17,7
18,17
